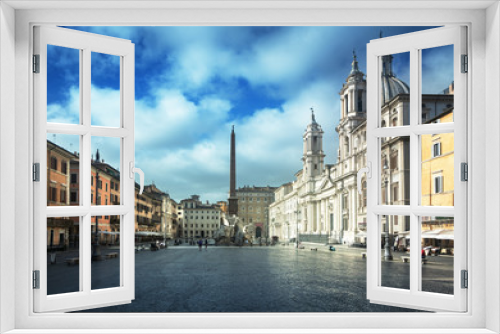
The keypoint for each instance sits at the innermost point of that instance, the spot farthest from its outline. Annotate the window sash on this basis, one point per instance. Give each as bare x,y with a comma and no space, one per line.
86,297
414,297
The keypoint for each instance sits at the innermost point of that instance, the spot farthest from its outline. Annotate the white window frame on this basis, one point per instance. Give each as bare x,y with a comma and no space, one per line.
14,62
413,43
85,43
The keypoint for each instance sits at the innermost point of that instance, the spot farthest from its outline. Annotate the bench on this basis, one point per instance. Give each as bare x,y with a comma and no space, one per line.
72,261
314,249
407,259
111,255
363,255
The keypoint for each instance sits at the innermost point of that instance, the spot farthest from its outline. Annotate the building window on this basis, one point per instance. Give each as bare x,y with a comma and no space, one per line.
436,150
73,196
360,101
53,163
395,192
74,178
438,184
53,194
62,199
106,187
346,104
64,167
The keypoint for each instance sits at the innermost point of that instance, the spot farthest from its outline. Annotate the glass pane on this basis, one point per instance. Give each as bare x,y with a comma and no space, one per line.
395,171
395,90
63,85
105,252
437,169
105,91
63,155
105,181
395,243
63,254
437,85
437,254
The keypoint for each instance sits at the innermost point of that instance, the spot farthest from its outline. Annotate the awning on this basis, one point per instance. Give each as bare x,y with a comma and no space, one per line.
446,235
148,234
431,234
438,234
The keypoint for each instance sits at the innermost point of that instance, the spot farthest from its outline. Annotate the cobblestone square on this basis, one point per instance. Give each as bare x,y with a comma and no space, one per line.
259,279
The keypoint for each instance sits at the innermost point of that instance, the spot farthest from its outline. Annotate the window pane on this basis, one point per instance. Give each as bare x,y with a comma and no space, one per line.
437,169
105,171
395,241
437,254
63,155
105,252
395,171
105,91
437,84
63,255
395,90
63,85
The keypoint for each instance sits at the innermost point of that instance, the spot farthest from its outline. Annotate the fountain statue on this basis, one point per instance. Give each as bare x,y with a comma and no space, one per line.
232,230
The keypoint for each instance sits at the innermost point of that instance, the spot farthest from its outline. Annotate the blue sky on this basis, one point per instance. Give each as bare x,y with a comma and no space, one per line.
193,83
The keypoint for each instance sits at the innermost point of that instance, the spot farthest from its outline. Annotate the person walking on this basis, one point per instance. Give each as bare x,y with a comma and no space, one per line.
200,243
206,244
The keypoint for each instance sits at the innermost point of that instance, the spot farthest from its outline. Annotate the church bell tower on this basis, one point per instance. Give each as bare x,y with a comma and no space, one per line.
313,157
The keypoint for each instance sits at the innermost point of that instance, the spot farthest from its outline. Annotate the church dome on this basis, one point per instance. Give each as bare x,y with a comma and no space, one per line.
391,85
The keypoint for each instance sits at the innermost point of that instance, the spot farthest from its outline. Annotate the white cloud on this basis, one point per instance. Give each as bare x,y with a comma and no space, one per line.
70,112
184,146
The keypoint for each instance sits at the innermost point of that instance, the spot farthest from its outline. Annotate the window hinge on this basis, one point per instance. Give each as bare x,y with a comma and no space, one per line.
36,172
465,64
36,279
464,171
465,279
36,63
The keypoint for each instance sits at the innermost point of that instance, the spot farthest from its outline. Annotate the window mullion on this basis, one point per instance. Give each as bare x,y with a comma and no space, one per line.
415,171
86,169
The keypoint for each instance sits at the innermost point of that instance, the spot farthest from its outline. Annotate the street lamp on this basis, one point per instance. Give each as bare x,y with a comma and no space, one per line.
387,247
297,224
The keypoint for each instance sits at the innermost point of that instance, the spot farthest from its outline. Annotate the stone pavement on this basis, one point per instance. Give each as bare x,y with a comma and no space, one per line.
263,279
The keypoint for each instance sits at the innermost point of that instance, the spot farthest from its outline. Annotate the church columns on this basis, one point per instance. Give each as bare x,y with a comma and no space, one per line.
354,210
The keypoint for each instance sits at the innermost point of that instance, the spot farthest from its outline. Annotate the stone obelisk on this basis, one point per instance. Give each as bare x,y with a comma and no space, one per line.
233,200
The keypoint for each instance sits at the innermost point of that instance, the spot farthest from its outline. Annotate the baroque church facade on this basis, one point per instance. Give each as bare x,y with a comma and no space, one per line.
322,204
